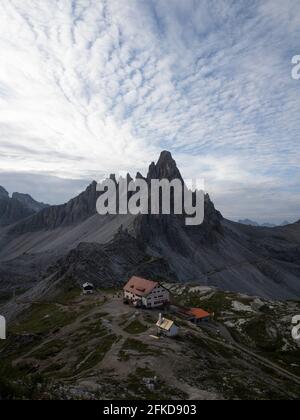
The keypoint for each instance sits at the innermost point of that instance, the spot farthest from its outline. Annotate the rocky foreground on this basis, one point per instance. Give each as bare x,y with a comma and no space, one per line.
78,347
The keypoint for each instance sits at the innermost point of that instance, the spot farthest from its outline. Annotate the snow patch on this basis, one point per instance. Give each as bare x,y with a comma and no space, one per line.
240,307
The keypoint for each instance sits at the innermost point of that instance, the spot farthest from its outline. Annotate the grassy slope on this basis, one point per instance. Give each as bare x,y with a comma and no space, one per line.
96,347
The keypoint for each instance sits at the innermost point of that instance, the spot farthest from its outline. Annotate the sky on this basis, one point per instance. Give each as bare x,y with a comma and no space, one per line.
91,87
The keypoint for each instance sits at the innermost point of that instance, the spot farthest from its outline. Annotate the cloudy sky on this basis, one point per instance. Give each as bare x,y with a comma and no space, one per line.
89,87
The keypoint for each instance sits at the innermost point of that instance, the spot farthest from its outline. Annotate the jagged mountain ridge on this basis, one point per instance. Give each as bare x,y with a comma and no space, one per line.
3,192
17,207
258,261
83,206
249,222
29,202
76,210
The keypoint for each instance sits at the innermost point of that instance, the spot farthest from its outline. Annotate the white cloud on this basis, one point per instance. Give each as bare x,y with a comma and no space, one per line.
88,86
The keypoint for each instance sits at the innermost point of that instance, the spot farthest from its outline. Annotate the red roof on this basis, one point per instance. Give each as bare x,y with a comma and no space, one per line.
199,313
140,286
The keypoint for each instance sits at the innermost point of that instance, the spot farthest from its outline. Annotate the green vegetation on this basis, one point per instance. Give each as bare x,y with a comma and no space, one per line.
96,329
48,350
88,332
138,346
136,385
139,389
257,330
41,359
17,345
53,368
98,354
216,304
123,356
95,317
42,319
4,297
202,346
288,360
136,327
69,296
16,383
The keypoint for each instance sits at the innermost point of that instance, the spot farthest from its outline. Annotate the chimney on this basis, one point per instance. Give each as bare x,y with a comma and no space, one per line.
160,319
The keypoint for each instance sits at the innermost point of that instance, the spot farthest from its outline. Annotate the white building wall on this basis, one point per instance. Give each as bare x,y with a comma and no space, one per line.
2,328
156,298
173,331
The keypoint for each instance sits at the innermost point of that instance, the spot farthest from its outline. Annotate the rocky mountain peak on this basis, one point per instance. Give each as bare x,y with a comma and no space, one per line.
139,176
28,202
74,211
3,193
17,207
165,167
83,206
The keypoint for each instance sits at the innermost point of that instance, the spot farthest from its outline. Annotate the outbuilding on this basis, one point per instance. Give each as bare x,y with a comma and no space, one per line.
198,315
167,327
195,315
88,289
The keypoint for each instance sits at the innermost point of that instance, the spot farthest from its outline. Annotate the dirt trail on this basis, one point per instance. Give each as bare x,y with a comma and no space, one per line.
236,346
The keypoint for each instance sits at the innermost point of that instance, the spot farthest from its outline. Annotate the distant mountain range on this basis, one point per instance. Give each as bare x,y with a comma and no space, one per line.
63,245
17,207
249,222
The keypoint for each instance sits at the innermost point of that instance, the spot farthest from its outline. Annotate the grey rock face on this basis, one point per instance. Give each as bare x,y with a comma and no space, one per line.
76,210
18,207
11,211
165,168
29,202
255,260
111,264
248,222
3,193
